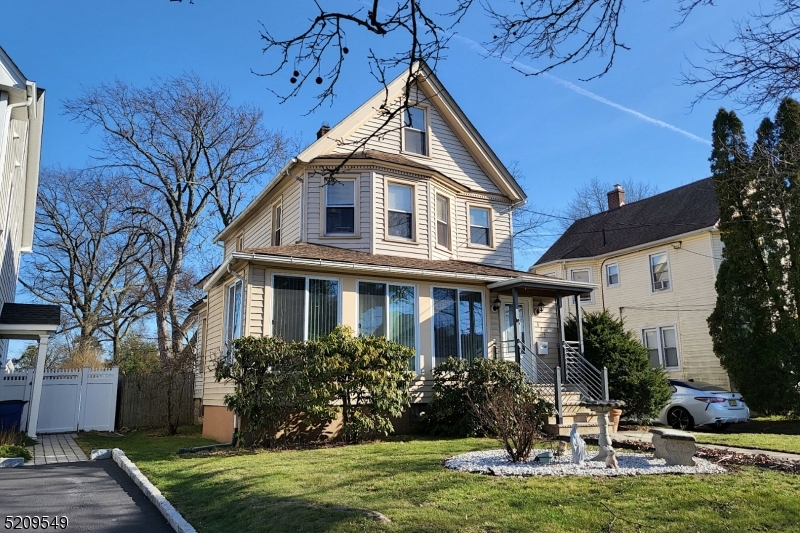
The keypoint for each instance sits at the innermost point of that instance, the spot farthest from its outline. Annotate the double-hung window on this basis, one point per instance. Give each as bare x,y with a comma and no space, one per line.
480,230
583,275
659,272
662,345
458,329
415,131
389,310
401,211
612,275
443,221
340,207
304,308
233,315
277,213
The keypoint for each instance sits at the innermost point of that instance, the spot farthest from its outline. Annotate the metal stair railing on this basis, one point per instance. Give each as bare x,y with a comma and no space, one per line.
545,378
583,375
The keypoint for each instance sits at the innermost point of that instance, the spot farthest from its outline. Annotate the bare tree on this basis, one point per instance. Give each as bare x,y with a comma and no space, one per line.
190,154
84,245
591,198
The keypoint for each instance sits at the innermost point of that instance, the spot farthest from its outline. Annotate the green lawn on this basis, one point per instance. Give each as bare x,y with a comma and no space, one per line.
768,433
325,490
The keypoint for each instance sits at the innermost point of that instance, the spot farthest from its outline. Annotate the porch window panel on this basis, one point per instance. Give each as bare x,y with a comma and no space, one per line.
233,315
323,307
470,318
288,308
670,347
372,309
402,318
445,313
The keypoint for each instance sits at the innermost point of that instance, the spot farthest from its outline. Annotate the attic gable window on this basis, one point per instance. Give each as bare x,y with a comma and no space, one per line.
340,207
659,272
415,131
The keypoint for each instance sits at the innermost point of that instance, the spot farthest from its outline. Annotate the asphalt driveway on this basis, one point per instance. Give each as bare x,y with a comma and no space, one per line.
95,496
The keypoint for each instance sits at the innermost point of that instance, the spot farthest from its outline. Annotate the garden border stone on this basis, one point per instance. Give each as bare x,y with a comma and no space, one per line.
175,519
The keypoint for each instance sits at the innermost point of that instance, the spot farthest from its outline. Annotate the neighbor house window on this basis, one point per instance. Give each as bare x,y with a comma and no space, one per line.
659,272
304,308
612,275
401,211
458,318
415,128
662,346
340,207
389,310
443,221
584,275
479,226
277,213
233,314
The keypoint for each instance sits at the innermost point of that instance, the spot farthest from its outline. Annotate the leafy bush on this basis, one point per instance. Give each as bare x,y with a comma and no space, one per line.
516,417
455,382
367,376
631,378
274,380
12,450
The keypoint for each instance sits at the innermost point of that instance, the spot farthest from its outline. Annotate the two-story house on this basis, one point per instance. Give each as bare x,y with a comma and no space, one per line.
655,262
413,240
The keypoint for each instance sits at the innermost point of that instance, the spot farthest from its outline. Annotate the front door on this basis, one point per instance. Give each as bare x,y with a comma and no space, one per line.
508,329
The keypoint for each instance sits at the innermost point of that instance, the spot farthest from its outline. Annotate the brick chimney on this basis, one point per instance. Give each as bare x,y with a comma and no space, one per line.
323,130
616,198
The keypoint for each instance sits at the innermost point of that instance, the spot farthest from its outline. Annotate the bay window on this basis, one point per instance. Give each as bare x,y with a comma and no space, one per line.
401,211
304,308
389,310
479,226
340,207
443,221
458,324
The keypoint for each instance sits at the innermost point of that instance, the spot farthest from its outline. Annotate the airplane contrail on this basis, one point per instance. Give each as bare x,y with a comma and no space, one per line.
580,90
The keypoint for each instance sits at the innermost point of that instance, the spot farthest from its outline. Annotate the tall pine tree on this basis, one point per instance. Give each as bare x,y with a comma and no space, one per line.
754,326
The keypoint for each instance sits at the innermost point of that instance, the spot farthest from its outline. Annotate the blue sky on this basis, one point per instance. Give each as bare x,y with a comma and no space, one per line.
636,122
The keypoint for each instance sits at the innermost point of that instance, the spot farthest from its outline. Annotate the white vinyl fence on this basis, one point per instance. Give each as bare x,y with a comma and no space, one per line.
72,400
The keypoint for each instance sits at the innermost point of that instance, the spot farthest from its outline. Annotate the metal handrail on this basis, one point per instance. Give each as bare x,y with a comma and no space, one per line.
539,373
583,375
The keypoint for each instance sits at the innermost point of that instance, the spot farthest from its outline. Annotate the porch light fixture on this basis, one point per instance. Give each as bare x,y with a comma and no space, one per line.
496,305
539,308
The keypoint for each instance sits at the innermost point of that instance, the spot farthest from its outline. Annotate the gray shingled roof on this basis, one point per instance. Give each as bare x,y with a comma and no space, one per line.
30,314
685,209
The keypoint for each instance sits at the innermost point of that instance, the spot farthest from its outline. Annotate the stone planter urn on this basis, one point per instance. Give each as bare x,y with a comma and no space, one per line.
613,419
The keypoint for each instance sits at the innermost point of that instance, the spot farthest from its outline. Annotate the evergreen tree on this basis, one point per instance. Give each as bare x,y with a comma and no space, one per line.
754,324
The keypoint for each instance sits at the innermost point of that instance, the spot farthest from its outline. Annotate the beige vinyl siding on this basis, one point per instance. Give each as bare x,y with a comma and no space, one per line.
419,248
501,253
12,192
258,230
292,214
447,153
256,283
687,306
542,327
315,213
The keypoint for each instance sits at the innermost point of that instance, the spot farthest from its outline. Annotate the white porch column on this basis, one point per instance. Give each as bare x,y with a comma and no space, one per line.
36,394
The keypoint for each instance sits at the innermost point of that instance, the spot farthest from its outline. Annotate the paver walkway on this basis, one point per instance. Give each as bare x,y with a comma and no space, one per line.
52,449
646,436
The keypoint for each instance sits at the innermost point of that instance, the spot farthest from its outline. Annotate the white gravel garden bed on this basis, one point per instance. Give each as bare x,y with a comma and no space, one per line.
497,463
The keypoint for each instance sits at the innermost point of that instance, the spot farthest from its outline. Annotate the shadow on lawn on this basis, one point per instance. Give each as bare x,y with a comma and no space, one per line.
765,426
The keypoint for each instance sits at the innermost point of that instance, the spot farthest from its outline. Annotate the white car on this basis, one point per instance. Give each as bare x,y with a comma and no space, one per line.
695,403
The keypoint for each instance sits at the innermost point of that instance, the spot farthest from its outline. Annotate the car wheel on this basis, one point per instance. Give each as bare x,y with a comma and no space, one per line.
679,418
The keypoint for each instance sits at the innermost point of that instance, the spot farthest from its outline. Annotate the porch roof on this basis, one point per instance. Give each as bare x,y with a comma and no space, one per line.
541,286
28,321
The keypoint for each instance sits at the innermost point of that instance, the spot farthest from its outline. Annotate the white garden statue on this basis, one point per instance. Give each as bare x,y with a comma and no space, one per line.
578,446
611,458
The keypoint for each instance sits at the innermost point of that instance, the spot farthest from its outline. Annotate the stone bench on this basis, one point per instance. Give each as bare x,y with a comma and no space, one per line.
676,447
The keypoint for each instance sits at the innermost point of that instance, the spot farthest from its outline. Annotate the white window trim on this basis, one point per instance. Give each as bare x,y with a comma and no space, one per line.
485,207
650,271
590,301
275,206
605,275
426,108
305,298
486,312
239,246
356,210
661,359
414,215
451,219
417,355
